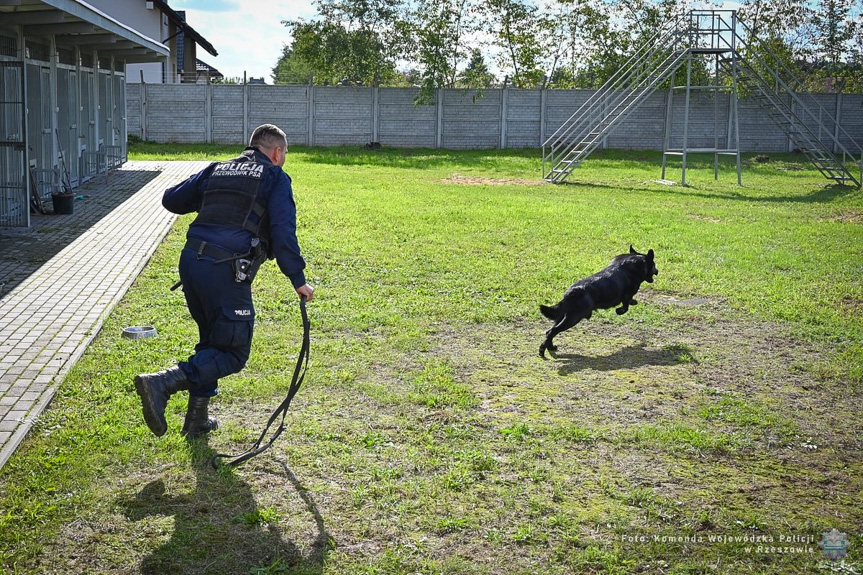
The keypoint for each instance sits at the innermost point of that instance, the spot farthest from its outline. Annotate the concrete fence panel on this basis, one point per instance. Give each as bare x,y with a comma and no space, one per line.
464,119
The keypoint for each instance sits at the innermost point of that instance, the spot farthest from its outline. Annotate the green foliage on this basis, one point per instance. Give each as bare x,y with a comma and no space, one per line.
439,26
832,29
292,69
477,74
515,27
353,43
558,44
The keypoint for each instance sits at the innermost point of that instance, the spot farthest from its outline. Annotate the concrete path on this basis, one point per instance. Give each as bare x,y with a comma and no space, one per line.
60,278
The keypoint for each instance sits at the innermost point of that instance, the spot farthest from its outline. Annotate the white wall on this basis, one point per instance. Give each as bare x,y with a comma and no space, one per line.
134,13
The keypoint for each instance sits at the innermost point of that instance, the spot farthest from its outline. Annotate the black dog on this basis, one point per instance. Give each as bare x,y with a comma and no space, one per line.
615,285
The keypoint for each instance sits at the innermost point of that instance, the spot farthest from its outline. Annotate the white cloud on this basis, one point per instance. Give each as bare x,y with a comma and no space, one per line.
247,34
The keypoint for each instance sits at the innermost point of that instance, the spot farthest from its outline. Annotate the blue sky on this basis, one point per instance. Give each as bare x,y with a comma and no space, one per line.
247,34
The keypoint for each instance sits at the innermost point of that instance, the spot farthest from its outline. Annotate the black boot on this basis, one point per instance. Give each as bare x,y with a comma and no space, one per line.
198,422
155,389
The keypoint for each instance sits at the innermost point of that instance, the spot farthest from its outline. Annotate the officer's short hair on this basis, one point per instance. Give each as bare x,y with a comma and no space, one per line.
268,137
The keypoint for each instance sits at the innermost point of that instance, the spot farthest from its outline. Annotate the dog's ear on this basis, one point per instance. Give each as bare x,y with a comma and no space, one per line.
632,250
650,254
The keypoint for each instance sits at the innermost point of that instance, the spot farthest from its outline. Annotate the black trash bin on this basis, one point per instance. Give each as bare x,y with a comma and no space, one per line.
63,203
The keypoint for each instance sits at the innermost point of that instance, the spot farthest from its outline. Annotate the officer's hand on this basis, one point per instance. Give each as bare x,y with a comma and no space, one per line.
306,290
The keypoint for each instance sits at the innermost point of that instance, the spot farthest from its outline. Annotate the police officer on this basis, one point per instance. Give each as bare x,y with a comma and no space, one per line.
246,214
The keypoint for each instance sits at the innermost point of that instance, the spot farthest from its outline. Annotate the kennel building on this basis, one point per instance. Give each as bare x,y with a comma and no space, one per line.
63,89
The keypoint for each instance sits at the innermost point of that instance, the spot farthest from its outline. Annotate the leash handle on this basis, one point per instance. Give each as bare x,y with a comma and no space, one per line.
296,381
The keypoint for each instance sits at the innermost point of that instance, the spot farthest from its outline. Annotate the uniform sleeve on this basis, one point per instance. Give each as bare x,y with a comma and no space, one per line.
185,197
283,230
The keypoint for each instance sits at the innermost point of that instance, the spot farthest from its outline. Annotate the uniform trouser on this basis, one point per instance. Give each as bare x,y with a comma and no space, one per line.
223,310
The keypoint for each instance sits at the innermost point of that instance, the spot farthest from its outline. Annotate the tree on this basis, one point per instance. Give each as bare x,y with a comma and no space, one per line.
513,25
439,27
605,47
774,27
832,32
292,69
813,40
476,75
557,28
355,42
549,43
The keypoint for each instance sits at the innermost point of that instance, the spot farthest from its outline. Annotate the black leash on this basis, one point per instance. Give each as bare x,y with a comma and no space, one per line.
299,374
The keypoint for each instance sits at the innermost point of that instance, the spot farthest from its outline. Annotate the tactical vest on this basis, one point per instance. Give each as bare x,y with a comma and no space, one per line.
231,197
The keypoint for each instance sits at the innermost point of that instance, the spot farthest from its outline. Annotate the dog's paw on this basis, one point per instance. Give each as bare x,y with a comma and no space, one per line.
620,310
633,302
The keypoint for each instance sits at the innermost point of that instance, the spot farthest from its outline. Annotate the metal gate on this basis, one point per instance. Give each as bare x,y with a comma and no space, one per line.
14,183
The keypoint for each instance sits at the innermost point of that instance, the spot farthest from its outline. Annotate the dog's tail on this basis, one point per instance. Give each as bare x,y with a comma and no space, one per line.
551,312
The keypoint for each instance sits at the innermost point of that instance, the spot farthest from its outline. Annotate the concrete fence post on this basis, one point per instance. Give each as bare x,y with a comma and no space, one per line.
542,104
439,123
143,107
504,95
245,110
376,102
838,118
790,146
208,107
311,97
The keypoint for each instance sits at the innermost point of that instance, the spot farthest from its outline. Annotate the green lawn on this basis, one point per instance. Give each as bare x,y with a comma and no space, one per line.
714,428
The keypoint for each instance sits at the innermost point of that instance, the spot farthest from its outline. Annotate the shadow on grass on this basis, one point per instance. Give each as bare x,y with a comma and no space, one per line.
24,250
626,358
218,527
827,194
413,158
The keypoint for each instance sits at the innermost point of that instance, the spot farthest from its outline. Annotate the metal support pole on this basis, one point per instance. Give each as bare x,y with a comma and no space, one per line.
143,107
669,111
686,114
716,118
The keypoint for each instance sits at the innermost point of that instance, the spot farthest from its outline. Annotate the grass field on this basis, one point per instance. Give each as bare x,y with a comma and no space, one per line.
715,428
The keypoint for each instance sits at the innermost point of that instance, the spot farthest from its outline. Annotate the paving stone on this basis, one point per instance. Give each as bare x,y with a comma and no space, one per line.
52,302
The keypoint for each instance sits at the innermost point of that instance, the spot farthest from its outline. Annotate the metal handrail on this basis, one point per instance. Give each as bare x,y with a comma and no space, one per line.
648,47
810,140
796,93
659,57
608,97
635,96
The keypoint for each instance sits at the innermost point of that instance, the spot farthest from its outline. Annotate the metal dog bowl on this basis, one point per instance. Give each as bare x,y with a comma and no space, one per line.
139,331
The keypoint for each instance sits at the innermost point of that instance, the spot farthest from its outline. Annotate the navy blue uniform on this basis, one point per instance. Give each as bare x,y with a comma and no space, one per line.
221,306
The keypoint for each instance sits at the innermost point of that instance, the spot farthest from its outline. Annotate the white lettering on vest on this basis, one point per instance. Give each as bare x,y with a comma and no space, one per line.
246,169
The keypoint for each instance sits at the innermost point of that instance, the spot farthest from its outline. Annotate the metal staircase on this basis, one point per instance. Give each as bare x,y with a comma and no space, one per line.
795,111
623,93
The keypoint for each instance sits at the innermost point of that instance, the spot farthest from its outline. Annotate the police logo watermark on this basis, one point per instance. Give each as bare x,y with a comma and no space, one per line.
834,544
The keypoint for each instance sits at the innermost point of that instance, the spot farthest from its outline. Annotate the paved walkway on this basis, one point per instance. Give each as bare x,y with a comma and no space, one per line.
60,278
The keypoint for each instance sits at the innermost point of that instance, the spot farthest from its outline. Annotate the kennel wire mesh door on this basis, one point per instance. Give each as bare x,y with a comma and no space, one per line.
14,183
